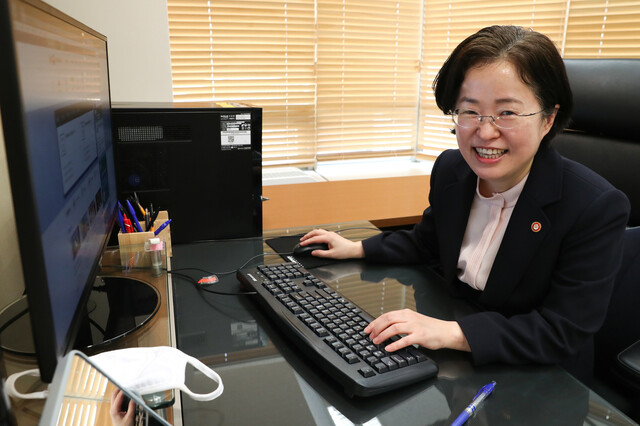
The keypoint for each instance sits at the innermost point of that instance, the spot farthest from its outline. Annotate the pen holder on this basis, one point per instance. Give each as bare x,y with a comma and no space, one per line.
133,243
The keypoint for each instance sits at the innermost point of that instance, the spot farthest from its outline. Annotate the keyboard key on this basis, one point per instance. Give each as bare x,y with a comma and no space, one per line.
380,367
389,363
367,372
351,358
400,361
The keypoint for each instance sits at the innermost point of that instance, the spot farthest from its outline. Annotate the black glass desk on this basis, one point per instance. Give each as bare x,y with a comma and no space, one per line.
269,382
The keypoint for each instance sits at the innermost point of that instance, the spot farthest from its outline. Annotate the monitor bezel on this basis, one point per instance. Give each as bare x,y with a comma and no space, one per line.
23,195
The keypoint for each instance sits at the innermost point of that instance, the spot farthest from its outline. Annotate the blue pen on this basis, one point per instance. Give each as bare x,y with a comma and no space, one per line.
161,227
133,216
121,219
471,408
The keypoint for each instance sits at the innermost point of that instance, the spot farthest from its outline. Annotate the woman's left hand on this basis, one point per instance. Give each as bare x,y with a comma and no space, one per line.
339,247
431,333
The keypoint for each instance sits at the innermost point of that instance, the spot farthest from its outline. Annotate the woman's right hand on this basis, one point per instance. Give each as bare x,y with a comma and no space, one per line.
119,417
339,247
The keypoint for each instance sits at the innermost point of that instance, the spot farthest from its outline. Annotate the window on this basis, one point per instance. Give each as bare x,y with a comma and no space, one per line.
347,79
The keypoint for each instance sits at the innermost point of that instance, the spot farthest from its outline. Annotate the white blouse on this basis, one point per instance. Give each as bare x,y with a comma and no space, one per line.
487,223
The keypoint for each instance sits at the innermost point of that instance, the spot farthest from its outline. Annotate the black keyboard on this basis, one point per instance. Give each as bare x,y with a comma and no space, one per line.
329,329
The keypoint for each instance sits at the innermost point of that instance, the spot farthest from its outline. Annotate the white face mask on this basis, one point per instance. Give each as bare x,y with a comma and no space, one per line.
156,369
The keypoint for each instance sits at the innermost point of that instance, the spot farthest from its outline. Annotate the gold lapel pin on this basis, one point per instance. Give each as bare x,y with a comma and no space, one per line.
536,226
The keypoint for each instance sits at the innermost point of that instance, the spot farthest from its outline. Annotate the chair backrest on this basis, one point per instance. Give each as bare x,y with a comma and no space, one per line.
604,133
622,326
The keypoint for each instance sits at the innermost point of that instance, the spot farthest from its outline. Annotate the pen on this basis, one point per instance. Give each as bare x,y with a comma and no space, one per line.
133,215
142,210
471,408
161,227
127,226
152,217
121,219
136,203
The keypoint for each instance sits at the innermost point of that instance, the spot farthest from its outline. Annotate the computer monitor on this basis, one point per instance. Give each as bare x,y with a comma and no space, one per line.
55,106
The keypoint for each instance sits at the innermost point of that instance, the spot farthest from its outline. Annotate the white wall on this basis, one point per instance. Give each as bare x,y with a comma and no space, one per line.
11,282
140,70
138,38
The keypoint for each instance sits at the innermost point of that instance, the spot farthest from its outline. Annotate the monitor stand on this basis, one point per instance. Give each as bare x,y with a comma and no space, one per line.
117,307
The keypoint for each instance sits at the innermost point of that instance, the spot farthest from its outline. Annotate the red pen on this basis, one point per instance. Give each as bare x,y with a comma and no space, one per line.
127,225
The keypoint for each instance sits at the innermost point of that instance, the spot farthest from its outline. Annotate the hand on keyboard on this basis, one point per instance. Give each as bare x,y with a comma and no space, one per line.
330,330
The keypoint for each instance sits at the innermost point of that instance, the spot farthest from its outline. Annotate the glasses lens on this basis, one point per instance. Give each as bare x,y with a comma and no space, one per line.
506,121
471,119
465,119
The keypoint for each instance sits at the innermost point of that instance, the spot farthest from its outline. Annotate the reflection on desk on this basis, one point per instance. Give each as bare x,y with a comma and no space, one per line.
269,381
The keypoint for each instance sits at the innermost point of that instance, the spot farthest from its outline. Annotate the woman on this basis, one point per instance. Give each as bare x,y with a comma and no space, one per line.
533,237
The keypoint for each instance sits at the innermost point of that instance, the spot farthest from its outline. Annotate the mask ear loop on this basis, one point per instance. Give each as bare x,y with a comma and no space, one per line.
210,374
11,386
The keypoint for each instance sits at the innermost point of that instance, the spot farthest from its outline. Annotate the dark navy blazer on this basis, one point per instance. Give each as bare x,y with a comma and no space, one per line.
549,287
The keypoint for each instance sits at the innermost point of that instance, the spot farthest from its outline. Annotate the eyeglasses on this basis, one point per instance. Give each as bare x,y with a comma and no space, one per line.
505,120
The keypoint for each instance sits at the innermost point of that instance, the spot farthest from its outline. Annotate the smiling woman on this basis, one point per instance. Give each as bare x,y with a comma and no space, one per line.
501,157
532,237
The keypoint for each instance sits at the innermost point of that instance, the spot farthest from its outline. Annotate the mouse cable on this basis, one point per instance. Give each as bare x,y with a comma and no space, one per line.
208,290
184,276
201,284
213,279
235,270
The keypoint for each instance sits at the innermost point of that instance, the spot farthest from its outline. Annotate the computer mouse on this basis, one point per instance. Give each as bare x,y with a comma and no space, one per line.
299,250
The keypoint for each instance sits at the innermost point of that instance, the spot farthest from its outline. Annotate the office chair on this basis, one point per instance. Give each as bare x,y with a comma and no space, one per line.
603,136
617,344
604,132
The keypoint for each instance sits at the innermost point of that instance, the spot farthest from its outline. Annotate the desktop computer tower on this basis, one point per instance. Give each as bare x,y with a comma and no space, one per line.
201,162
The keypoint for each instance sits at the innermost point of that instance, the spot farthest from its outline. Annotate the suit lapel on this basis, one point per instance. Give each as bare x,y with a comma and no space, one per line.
527,228
456,204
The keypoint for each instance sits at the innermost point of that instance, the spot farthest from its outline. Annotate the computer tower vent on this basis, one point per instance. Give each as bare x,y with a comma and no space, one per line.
153,133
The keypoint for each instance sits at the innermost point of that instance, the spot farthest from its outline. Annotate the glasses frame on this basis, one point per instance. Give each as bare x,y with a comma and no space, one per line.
495,120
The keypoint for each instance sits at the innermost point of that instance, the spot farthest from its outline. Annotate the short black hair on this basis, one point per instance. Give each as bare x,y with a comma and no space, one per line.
535,57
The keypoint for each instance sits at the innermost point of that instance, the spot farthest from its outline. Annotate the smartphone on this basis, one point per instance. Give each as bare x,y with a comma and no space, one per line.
82,394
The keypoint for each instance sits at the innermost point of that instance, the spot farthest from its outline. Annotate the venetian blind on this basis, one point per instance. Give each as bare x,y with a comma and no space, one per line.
256,52
603,29
342,79
367,74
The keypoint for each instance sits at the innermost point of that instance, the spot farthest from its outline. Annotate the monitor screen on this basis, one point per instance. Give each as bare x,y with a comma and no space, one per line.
55,106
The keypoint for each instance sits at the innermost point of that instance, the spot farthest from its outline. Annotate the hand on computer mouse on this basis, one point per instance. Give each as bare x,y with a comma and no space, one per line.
307,250
338,246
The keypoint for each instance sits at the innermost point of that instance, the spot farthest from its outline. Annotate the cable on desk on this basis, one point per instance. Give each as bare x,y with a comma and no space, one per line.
13,319
193,280
235,270
185,276
208,290
203,287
